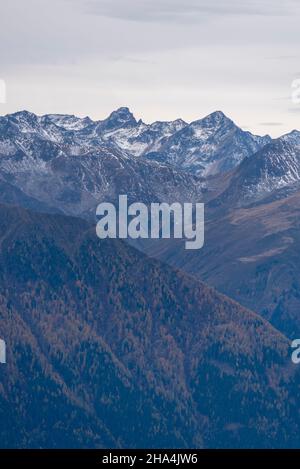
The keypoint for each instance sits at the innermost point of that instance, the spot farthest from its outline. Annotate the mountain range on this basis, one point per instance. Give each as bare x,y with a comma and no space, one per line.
109,347
206,146
65,164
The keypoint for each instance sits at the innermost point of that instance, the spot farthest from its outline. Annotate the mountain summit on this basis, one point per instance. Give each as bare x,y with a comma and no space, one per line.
122,117
207,146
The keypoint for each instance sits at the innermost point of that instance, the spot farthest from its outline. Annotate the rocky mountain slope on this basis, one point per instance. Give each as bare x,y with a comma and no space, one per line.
269,172
252,242
209,146
64,164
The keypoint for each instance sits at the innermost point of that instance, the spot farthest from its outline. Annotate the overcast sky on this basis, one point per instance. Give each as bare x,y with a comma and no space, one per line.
162,58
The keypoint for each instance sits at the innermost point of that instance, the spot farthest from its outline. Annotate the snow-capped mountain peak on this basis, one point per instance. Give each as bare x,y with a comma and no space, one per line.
292,137
215,119
25,120
275,167
209,145
67,122
122,117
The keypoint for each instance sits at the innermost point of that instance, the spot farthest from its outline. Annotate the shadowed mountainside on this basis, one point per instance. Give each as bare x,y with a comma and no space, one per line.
251,250
106,347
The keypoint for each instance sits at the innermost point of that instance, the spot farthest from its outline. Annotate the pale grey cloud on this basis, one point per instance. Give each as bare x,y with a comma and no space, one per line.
271,124
187,10
284,57
163,58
